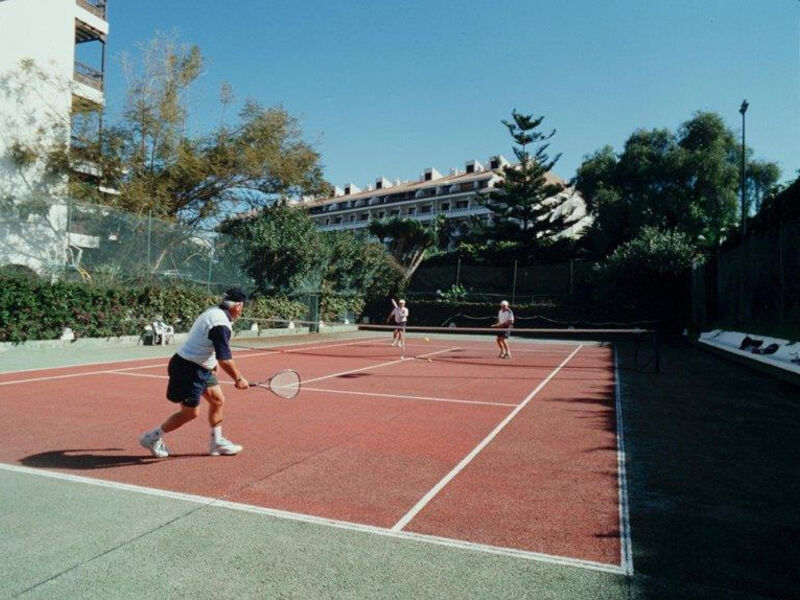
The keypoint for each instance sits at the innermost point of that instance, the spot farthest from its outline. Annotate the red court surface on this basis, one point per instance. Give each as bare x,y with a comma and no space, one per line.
450,441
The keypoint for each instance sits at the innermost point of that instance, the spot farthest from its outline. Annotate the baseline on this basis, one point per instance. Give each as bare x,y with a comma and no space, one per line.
206,501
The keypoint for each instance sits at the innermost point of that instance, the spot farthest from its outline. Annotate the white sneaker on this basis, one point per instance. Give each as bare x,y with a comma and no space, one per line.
501,355
506,356
224,447
156,445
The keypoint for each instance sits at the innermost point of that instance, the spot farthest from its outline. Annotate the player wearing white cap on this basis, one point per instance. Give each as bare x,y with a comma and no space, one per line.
505,321
399,315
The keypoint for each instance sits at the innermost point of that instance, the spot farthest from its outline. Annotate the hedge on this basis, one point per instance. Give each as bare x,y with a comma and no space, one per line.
33,309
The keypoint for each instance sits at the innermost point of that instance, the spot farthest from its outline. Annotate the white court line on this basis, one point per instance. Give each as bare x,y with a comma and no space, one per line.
340,373
385,364
322,521
67,376
307,389
625,544
468,458
162,364
493,348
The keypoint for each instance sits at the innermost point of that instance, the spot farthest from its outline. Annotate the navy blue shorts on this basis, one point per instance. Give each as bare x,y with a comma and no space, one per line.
188,381
505,333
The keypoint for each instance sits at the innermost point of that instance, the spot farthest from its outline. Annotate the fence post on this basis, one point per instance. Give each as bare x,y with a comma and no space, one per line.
781,275
514,285
69,229
210,263
458,271
571,276
149,230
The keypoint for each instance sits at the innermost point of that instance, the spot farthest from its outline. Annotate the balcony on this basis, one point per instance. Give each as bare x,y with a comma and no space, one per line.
88,76
96,7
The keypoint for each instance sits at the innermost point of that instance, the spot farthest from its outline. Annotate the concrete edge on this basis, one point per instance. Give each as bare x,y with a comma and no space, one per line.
751,361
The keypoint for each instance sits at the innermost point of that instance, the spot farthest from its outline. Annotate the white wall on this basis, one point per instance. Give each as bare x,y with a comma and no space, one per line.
34,109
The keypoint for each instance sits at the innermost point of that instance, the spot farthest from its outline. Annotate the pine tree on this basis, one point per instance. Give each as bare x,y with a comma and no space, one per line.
525,199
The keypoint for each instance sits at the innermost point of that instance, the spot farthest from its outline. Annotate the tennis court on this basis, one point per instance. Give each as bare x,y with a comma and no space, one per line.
420,453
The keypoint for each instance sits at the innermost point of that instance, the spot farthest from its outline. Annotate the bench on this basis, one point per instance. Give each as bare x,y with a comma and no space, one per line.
784,363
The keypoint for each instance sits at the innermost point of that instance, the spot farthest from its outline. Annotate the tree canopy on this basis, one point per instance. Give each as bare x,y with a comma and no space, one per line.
407,239
151,156
687,181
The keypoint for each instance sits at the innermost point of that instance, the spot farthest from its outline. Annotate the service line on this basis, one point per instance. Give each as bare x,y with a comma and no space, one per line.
469,457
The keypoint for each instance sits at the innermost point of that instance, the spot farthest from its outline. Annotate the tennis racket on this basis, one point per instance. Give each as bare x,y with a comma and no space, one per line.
394,303
285,384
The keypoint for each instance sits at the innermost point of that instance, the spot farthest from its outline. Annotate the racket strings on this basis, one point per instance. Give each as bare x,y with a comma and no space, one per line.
285,384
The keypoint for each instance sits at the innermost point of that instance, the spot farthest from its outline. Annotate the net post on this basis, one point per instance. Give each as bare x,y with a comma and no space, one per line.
657,350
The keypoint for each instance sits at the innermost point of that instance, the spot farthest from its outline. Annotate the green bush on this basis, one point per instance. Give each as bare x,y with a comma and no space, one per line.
33,309
649,277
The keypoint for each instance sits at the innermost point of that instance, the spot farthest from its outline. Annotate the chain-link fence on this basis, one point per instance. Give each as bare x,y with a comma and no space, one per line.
514,282
102,245
756,283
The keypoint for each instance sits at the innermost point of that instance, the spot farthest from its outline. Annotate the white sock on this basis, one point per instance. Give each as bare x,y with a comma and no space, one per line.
216,433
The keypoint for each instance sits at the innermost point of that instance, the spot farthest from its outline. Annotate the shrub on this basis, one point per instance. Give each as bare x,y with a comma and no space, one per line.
33,309
649,277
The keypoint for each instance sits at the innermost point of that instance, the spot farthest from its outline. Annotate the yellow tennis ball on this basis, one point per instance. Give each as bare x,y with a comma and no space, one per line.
430,360
427,339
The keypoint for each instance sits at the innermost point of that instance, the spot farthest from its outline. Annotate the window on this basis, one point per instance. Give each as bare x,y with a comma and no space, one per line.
470,168
381,214
338,220
363,217
462,204
412,211
327,221
445,206
394,213
428,176
425,210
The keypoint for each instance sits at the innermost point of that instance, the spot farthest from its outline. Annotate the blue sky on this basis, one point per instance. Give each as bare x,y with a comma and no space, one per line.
391,88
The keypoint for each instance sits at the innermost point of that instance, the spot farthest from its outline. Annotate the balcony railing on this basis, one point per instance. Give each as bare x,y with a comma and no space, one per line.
89,76
420,216
96,7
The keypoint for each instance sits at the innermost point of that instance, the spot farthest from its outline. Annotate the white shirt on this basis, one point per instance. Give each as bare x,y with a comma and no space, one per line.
505,316
197,347
400,314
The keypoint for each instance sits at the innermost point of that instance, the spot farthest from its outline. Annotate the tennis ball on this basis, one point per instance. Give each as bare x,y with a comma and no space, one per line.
427,339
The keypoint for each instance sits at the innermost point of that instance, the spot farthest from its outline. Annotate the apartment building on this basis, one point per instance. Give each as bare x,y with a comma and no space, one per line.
456,196
52,70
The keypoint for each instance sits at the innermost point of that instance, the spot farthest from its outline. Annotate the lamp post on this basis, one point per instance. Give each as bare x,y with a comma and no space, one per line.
742,110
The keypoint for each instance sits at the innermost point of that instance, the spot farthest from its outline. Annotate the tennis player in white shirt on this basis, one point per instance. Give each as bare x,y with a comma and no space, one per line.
505,321
399,315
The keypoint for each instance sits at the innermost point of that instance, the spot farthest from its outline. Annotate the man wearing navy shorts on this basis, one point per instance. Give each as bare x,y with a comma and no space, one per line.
192,374
505,321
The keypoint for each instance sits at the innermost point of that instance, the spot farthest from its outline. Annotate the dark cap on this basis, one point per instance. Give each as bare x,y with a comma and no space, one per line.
235,295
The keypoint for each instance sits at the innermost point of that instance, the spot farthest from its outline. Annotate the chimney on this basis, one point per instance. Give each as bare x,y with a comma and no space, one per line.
382,183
